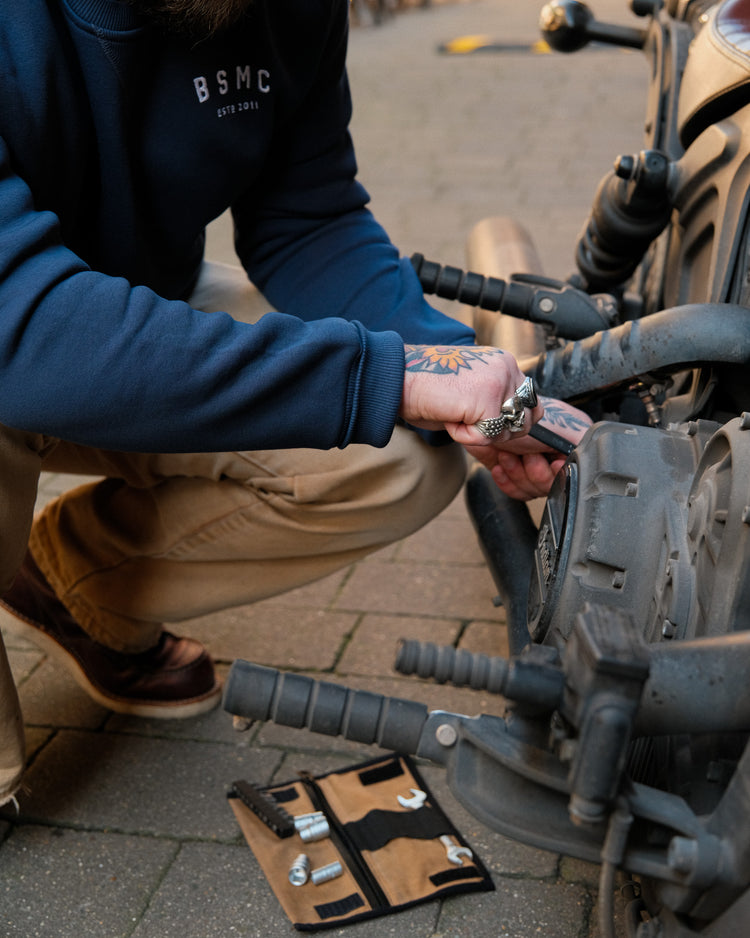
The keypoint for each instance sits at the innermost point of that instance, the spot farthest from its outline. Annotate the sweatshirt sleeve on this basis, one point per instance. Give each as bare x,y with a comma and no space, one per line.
88,358
304,233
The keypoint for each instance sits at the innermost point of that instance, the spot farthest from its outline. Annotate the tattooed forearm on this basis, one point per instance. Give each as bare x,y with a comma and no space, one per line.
446,359
558,416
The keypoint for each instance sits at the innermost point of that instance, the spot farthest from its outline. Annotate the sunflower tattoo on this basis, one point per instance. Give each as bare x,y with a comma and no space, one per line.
445,359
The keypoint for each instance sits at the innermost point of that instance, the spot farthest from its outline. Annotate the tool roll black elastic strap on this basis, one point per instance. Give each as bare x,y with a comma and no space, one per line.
377,827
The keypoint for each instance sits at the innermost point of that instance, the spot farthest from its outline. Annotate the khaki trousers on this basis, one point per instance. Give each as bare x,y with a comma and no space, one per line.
165,537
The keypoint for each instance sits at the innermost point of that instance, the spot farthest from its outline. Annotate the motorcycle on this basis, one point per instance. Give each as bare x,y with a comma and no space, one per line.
625,742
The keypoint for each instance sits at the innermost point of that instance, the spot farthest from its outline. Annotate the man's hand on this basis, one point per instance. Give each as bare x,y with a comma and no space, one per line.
524,468
452,387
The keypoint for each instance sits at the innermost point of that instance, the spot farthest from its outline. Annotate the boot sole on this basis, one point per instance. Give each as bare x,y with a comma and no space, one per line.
28,630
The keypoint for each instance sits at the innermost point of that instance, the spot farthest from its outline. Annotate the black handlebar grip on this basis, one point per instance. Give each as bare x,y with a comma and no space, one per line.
259,693
445,663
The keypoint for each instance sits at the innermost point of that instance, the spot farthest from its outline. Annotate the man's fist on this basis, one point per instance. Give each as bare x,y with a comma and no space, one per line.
453,387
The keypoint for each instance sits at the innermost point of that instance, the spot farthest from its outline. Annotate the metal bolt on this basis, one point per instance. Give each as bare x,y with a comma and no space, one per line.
692,428
618,579
668,629
547,304
446,735
745,420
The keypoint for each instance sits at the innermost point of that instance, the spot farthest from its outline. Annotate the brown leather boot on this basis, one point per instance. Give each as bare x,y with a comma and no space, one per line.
174,679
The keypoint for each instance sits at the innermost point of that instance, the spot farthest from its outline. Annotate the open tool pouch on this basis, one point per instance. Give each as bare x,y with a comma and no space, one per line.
379,828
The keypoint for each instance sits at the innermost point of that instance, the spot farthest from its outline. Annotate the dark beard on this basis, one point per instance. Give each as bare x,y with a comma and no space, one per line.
198,19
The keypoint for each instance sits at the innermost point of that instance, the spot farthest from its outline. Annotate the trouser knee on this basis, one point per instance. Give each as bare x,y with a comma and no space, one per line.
21,456
420,480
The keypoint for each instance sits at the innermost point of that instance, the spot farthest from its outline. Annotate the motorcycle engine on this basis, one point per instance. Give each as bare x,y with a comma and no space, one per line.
653,522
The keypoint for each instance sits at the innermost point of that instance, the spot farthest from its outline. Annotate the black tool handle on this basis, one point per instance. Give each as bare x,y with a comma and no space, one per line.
550,438
265,806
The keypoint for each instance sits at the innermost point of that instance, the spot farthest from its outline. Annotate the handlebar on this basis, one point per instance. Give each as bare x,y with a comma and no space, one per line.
259,693
565,310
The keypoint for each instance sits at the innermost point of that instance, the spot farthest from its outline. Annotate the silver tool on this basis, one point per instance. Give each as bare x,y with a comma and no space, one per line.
417,799
317,830
324,873
299,871
305,820
455,851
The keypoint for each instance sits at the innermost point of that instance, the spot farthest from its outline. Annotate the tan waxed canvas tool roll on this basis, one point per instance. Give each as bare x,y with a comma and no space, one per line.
391,855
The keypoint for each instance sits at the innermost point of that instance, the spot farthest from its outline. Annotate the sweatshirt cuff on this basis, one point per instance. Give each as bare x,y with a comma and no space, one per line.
377,388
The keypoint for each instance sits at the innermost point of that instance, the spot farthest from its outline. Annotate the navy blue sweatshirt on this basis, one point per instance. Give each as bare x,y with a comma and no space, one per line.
118,145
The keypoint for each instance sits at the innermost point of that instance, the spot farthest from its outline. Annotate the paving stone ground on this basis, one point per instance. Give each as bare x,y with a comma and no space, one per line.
123,829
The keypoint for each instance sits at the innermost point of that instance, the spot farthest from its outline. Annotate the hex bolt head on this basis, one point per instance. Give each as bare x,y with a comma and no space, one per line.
682,854
547,304
446,735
